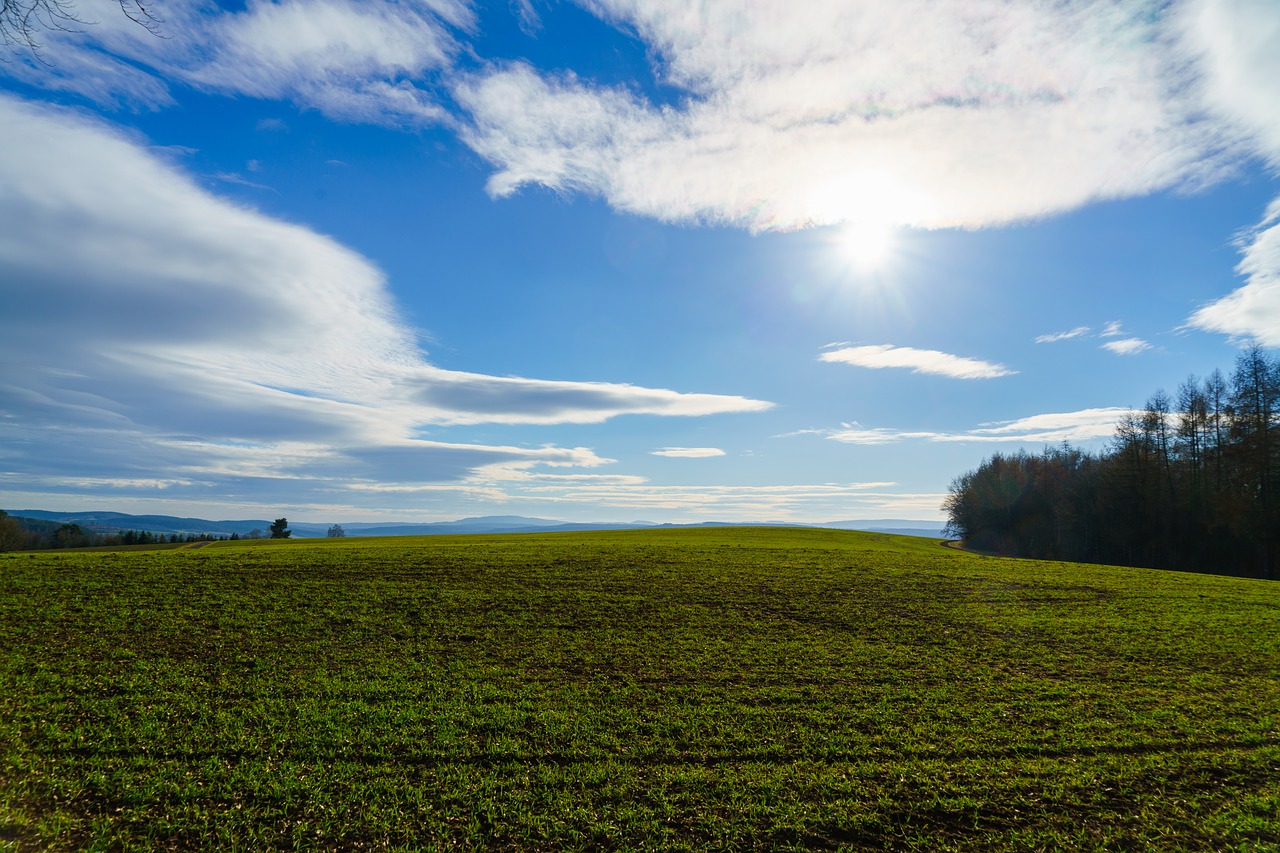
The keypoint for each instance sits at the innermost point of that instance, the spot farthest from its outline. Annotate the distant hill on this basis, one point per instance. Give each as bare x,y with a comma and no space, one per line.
108,522
900,526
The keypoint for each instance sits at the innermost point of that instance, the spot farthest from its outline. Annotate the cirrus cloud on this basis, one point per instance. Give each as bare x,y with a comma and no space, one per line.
350,60
688,452
369,62
1252,311
1082,425
801,502
1127,346
917,361
1078,331
183,338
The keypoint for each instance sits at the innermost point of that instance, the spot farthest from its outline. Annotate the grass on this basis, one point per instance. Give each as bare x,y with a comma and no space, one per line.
689,689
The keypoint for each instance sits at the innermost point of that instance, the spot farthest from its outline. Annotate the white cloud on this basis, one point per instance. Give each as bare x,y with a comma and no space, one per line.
543,478
1236,44
1083,425
1078,331
352,61
530,22
241,180
918,361
1113,329
106,60
1127,346
273,46
688,452
1253,310
637,497
1057,426
854,434
931,113
455,397
173,332
801,502
885,112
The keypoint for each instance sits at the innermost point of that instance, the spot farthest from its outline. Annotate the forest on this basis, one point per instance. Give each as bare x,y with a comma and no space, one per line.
1190,482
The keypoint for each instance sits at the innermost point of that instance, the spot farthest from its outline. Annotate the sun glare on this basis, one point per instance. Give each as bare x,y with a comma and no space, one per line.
867,245
873,205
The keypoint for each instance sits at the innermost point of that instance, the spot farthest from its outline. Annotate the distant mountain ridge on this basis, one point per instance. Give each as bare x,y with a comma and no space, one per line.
107,522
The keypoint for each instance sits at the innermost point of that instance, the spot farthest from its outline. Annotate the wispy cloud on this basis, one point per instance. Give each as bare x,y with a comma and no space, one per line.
241,180
375,62
517,486
688,452
530,22
456,397
1082,425
855,434
1113,329
1233,44
917,361
1056,426
801,502
1127,346
355,61
275,352
1252,311
1077,332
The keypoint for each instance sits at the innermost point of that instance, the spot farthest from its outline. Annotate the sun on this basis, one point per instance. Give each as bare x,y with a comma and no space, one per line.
868,210
867,245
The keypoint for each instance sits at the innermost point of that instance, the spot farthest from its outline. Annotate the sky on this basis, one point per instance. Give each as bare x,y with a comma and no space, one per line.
616,260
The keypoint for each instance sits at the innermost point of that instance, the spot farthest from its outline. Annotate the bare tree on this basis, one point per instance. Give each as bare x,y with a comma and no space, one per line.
1255,395
1192,420
22,21
1216,403
1192,483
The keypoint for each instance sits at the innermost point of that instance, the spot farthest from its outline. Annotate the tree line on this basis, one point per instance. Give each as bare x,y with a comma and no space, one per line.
1190,482
18,533
33,534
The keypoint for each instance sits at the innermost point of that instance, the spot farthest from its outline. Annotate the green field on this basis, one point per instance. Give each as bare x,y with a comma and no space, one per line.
682,689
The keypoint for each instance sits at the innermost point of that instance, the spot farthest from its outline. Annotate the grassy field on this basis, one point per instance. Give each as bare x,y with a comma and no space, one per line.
686,689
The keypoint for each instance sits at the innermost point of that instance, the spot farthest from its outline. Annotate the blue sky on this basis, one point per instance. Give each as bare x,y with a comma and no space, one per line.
615,259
